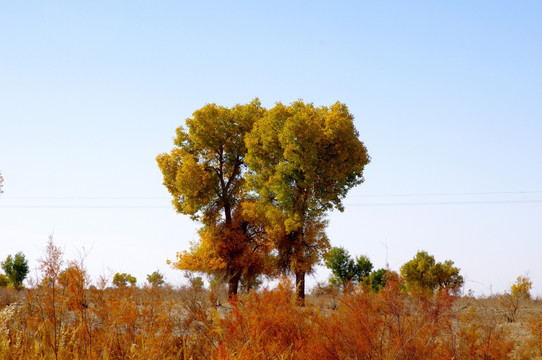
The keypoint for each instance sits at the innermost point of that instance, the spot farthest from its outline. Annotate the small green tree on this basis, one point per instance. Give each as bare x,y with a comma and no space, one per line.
155,279
377,279
363,268
344,269
423,272
16,269
122,280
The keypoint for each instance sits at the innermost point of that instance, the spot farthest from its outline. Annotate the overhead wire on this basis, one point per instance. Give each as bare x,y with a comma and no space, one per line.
353,204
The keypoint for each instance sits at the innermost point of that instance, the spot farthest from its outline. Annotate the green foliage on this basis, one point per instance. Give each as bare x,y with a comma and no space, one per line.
302,162
424,272
204,171
377,279
16,269
204,174
344,269
341,266
363,268
4,281
156,278
122,280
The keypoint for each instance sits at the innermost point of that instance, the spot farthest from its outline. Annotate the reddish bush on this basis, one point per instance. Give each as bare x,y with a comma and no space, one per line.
266,325
62,317
480,337
389,324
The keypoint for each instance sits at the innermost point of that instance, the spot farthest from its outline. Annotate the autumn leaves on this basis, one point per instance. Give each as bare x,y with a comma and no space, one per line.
260,181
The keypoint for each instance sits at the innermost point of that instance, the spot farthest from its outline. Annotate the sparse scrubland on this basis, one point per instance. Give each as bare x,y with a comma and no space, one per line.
260,182
65,315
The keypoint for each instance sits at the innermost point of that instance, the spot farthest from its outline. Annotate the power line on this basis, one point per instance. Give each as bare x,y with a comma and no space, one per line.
434,203
80,207
85,198
357,204
489,202
453,194
364,195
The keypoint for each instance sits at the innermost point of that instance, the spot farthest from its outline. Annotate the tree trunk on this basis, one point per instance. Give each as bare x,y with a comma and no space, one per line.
227,213
233,284
300,288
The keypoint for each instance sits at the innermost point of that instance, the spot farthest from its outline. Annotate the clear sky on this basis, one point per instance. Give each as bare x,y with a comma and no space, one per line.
447,97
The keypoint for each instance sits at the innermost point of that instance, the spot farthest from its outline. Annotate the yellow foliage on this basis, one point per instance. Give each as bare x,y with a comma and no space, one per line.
204,174
522,287
302,161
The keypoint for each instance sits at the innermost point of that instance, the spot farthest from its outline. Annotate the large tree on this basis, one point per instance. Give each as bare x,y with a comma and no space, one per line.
205,175
303,160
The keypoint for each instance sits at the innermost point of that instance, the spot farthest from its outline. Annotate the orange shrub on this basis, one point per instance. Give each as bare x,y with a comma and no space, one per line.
389,324
535,327
266,325
62,317
480,337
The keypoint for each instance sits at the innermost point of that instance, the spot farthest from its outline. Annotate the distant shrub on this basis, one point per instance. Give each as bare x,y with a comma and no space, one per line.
522,288
377,279
344,269
122,280
511,302
16,269
423,272
155,279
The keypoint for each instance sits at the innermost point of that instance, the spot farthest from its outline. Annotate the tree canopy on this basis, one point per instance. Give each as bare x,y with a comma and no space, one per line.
205,175
261,181
423,272
302,162
155,279
122,280
16,269
344,269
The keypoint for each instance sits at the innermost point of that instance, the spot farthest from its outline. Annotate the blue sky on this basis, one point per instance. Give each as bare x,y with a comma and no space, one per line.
447,98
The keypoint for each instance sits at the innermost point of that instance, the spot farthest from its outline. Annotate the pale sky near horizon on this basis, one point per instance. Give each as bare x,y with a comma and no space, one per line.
447,97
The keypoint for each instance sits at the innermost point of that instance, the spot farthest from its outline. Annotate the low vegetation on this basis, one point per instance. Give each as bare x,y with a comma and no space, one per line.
64,315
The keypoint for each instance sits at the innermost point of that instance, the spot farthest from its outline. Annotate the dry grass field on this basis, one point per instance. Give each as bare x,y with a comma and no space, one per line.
65,315
69,320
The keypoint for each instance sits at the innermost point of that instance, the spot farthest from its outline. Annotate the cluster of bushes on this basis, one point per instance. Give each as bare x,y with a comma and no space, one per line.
63,316
420,273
